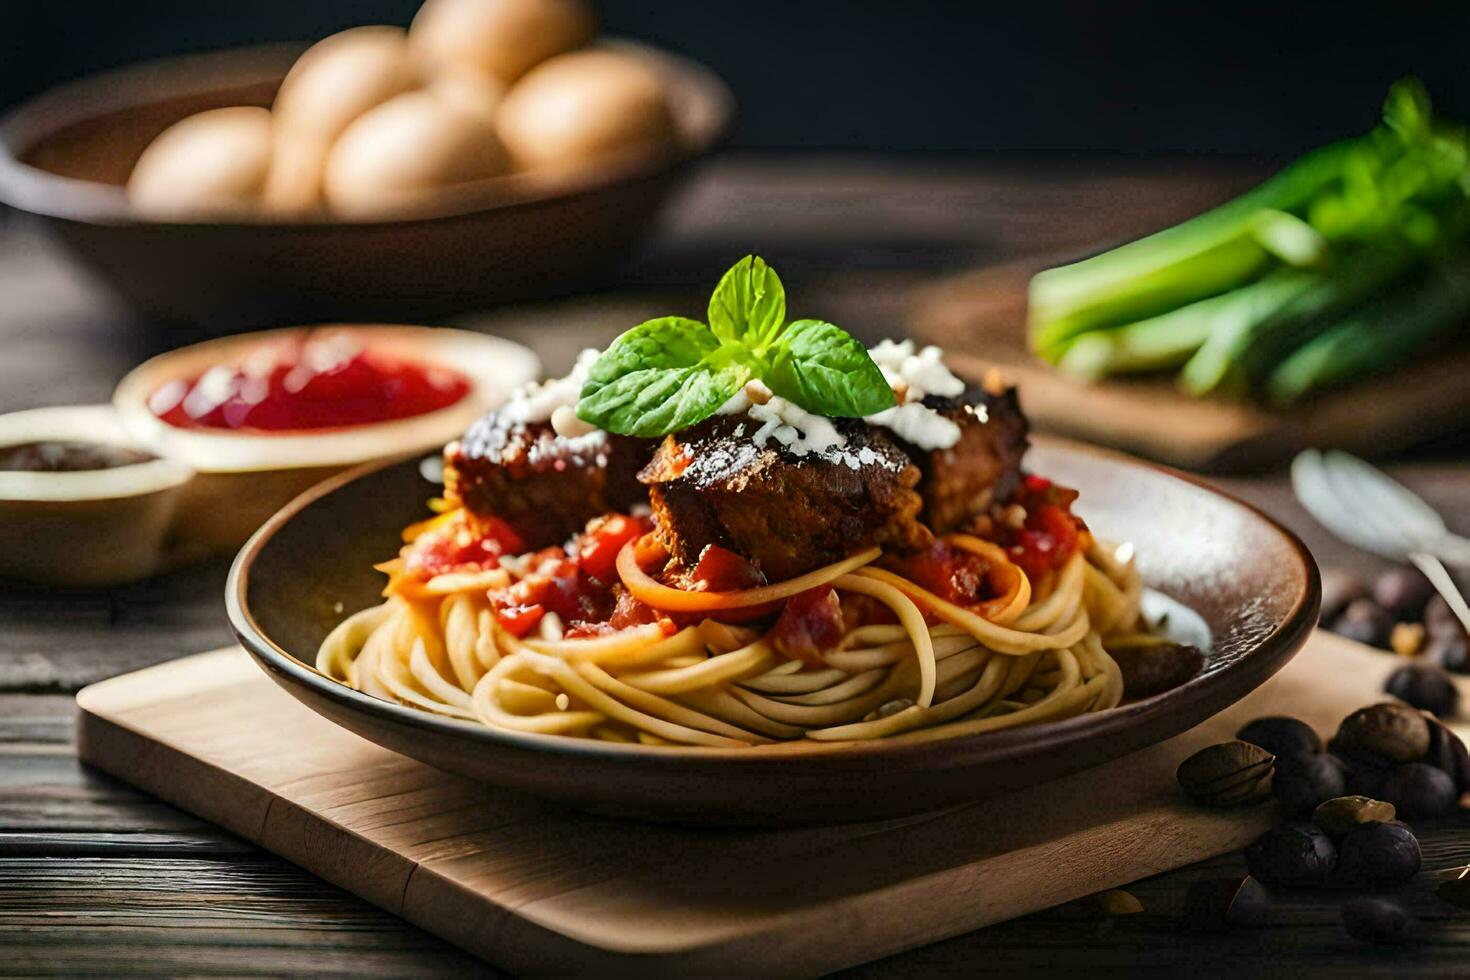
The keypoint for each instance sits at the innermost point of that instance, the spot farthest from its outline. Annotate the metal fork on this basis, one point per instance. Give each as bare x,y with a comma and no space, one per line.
1365,507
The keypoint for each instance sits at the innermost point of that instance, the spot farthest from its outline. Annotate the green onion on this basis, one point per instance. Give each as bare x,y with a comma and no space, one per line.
1377,336
1276,314
1209,254
1273,293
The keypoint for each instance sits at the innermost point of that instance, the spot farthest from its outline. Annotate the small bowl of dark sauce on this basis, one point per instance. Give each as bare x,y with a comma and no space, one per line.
82,503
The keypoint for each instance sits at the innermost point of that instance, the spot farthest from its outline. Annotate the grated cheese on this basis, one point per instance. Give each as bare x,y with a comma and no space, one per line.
538,401
913,375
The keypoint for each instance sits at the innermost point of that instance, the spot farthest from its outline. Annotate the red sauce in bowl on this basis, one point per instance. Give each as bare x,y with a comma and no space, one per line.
317,383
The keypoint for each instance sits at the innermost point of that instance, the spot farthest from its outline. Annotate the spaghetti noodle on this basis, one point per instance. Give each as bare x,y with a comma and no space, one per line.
922,667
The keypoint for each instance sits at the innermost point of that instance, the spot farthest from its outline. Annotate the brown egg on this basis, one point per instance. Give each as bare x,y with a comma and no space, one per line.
469,89
212,164
334,82
581,105
503,38
411,144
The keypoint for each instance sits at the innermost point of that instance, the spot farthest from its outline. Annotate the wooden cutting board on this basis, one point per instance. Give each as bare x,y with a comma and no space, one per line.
979,319
536,889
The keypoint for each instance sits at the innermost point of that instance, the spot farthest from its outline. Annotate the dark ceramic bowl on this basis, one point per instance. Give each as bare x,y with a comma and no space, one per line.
65,155
1252,582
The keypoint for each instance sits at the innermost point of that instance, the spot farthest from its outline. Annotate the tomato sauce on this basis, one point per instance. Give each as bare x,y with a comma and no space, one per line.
953,574
722,570
578,583
809,625
1049,534
318,383
465,544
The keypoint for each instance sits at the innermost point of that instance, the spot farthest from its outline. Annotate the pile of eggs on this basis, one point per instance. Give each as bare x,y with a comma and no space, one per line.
374,119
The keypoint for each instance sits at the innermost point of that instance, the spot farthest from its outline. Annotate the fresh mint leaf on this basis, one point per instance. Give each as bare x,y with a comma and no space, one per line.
826,370
749,304
662,376
668,374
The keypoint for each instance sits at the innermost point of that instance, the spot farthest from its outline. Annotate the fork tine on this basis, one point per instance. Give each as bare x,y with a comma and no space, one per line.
1319,496
1396,499
1368,512
1393,509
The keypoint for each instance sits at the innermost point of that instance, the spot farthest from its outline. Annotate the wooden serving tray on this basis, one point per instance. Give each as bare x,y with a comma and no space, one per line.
979,318
537,889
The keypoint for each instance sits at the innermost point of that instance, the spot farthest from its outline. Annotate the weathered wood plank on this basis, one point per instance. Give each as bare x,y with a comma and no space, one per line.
44,789
246,916
258,915
95,843
53,641
1303,934
36,718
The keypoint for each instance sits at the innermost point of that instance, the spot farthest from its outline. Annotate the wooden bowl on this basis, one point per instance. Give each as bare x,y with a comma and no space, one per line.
65,155
1252,582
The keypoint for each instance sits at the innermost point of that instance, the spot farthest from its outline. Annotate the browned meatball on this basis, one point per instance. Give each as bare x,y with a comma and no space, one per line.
788,514
547,487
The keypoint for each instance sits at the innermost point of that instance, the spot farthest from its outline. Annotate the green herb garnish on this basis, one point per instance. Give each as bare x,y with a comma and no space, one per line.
669,373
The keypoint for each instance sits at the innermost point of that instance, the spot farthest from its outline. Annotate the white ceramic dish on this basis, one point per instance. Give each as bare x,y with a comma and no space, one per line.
242,478
90,527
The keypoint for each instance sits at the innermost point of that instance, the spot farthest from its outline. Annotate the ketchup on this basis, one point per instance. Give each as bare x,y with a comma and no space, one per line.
319,383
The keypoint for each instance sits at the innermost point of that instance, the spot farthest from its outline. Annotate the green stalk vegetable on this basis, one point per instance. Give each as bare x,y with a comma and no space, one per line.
1156,344
1209,254
1273,292
1276,314
1377,336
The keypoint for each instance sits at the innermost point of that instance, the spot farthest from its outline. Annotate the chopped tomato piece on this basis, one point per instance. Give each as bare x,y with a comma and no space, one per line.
1048,536
953,574
598,546
722,570
467,543
631,611
519,620
809,626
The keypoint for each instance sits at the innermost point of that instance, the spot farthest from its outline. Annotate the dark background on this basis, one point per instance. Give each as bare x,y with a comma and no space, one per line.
1242,79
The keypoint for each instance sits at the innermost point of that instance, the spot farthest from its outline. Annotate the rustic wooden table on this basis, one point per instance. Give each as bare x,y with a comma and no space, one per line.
95,877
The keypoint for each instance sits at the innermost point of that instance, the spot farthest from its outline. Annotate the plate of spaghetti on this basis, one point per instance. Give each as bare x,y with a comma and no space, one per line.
751,571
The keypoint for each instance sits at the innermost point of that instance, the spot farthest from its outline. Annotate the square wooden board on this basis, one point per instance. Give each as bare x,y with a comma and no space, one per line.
537,889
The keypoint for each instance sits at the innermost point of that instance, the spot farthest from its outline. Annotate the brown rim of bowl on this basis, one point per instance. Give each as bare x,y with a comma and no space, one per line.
37,191
1269,654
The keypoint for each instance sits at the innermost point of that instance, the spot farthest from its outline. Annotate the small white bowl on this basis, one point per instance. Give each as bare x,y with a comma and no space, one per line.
89,527
244,477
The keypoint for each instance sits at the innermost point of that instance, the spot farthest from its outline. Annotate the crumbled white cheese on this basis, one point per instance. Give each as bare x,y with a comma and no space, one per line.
794,427
924,427
753,392
917,374
912,376
537,401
